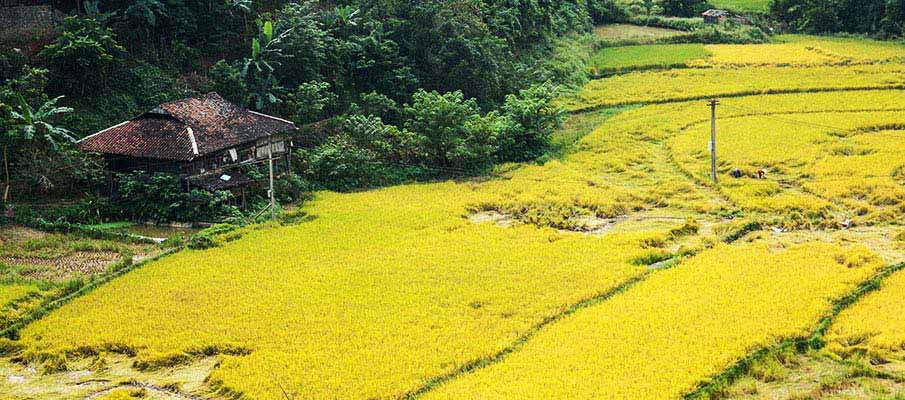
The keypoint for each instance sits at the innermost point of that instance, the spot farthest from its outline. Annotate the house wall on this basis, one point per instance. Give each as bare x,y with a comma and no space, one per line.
248,153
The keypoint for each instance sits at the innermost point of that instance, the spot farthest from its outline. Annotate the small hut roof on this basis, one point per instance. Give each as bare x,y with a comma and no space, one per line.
185,129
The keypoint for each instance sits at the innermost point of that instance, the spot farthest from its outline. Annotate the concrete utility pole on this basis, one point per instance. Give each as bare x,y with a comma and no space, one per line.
713,104
273,212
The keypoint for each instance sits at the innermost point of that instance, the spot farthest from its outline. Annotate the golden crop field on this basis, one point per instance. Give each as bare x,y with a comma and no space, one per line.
10,292
874,326
698,83
803,51
311,303
657,340
598,274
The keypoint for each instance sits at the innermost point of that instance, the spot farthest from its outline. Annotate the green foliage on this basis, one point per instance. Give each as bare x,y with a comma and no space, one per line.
306,44
531,120
311,102
379,105
36,156
368,153
457,140
444,135
883,18
160,197
309,61
228,82
682,24
35,123
87,210
684,8
605,11
83,57
724,33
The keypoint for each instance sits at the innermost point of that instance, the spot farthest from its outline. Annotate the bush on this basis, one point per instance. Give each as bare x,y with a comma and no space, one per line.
729,33
84,56
87,210
160,197
605,11
457,142
682,24
228,82
311,102
367,153
683,8
340,164
531,120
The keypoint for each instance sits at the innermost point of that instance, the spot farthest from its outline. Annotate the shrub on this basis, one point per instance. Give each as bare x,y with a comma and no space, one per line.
228,82
605,11
342,164
457,142
84,56
531,121
160,197
683,8
87,210
311,102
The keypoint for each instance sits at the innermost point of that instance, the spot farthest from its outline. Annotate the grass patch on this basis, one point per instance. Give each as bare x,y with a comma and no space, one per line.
633,58
634,32
744,6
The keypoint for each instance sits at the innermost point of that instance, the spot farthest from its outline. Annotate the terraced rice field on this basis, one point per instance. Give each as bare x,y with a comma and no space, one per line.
614,271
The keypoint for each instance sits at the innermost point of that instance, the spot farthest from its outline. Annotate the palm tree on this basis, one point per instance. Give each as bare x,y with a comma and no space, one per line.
31,124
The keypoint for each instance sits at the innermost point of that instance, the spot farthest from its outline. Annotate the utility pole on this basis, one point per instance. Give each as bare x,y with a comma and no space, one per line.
713,104
273,212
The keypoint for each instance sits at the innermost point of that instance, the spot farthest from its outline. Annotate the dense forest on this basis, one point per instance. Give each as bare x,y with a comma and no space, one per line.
881,18
385,91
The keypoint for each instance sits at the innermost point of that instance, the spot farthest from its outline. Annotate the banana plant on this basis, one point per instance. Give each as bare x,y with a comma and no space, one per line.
35,123
28,124
257,71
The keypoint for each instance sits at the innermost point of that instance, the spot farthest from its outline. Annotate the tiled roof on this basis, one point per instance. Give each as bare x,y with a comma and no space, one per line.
185,129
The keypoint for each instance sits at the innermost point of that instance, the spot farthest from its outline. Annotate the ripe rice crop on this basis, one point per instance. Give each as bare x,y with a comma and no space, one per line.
691,84
799,54
858,50
803,51
393,285
675,329
873,326
10,292
831,156
385,290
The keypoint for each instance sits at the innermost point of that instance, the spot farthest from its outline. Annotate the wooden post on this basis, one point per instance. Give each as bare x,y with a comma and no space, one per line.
273,215
713,104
